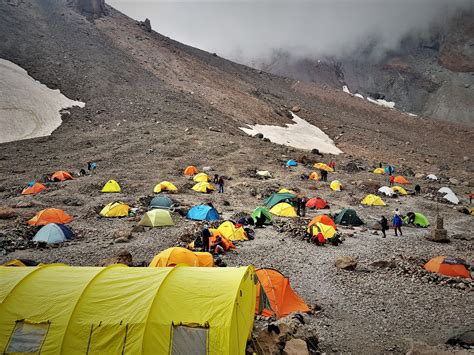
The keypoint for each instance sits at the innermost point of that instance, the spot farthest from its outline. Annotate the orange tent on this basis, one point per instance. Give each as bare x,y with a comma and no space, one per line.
190,171
324,219
401,180
280,300
205,259
314,176
50,215
215,233
317,203
448,266
61,176
31,190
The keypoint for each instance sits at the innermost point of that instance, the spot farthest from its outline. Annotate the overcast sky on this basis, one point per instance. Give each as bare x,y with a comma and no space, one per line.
248,30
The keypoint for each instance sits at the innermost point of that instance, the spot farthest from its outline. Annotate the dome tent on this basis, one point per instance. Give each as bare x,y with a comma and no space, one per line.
203,213
160,202
53,233
348,217
111,186
156,218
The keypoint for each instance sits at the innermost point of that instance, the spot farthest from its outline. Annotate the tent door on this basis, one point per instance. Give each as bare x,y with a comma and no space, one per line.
188,340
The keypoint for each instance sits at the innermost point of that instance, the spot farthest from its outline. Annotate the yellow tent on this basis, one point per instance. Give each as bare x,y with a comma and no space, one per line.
322,166
202,177
336,185
164,186
175,256
205,259
314,176
400,190
115,209
111,186
379,171
228,230
122,310
282,191
203,187
373,200
156,218
327,231
283,209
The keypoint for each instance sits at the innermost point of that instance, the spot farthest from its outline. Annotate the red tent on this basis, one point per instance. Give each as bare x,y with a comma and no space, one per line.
317,203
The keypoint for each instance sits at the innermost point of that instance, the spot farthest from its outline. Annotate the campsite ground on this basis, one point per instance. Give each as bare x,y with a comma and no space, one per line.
144,123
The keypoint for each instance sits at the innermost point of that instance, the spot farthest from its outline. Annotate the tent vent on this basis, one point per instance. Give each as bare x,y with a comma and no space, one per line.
190,340
27,337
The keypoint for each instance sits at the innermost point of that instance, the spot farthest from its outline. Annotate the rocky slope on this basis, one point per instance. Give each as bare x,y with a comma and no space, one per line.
154,106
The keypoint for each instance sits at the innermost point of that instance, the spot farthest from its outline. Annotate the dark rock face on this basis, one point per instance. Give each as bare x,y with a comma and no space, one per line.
92,8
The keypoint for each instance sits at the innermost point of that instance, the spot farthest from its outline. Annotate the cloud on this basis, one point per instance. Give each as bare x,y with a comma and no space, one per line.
252,30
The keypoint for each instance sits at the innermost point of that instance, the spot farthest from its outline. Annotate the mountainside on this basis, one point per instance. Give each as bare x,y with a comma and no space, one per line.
426,76
154,106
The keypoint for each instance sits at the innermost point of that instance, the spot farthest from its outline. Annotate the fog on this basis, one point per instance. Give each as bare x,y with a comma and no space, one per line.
251,31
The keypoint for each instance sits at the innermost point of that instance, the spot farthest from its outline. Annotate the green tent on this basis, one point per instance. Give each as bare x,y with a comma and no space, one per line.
156,218
276,198
259,211
420,220
348,217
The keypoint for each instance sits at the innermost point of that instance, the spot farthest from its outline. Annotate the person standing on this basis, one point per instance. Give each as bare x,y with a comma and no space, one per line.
298,206
384,224
397,223
417,189
391,180
303,206
220,184
206,234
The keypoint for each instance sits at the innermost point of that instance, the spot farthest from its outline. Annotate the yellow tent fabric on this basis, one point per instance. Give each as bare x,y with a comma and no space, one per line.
164,186
156,218
282,191
379,171
336,185
203,187
283,209
314,176
111,186
228,230
202,177
327,231
373,200
205,259
115,209
322,166
122,310
175,256
400,190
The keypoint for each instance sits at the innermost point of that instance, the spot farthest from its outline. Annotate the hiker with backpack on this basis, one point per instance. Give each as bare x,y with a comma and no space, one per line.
397,223
205,234
324,175
384,224
417,189
220,184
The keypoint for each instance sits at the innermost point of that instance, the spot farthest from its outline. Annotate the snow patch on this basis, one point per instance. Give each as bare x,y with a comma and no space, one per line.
381,102
346,89
301,135
28,109
359,96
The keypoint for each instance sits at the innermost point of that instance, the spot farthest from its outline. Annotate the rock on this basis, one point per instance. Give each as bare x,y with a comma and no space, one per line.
121,240
266,139
296,347
138,229
466,158
466,339
453,181
215,129
296,109
146,25
408,172
24,204
122,233
315,151
267,342
419,176
384,264
259,136
69,201
123,257
226,203
351,167
345,263
7,212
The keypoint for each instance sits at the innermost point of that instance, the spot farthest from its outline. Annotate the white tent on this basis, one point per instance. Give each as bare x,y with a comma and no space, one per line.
449,195
432,177
387,191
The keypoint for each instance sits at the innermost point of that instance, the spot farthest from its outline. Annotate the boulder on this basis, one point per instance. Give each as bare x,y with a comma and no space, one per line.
466,339
122,257
146,25
296,109
454,181
419,176
267,342
123,234
24,204
296,347
345,263
7,212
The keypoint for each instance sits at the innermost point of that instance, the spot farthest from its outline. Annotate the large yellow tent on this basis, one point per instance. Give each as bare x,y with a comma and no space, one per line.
203,187
283,209
164,186
336,185
122,310
322,166
111,186
400,190
202,177
115,209
228,230
379,171
373,200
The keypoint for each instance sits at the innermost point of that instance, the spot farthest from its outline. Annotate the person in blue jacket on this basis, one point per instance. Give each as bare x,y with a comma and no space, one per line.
397,224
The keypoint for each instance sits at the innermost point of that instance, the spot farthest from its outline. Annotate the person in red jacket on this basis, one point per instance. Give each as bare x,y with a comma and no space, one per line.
391,180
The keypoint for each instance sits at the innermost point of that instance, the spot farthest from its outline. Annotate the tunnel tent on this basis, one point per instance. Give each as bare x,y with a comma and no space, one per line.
162,202
111,186
203,213
130,310
156,218
53,233
348,217
275,297
276,198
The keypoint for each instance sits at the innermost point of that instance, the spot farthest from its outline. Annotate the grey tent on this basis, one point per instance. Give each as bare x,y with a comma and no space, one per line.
162,202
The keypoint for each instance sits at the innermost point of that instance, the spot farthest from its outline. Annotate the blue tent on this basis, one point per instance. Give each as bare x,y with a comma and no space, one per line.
161,202
203,213
53,233
291,162
391,168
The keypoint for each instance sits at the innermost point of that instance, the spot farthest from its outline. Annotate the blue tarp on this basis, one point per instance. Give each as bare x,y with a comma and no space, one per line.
291,162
